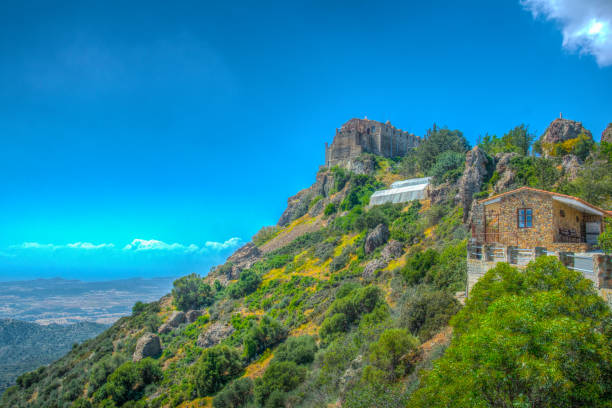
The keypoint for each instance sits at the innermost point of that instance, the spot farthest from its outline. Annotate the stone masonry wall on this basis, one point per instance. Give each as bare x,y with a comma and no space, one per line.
359,136
541,234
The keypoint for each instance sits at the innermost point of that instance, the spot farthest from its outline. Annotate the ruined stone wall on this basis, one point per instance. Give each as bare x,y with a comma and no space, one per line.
359,136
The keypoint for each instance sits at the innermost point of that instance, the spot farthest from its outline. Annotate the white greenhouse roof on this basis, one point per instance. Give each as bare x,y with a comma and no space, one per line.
401,192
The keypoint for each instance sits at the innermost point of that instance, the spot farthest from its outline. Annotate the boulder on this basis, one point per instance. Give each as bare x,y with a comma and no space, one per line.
377,237
214,334
606,135
561,130
148,345
175,319
571,166
393,250
192,315
477,165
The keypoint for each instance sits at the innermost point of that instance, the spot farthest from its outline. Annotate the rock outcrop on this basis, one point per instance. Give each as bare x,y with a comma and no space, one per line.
192,315
505,172
369,271
242,259
477,165
214,335
571,166
148,345
175,319
561,130
393,250
377,237
606,135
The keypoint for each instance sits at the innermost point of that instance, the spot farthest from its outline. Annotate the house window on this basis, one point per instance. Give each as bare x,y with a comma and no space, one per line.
525,218
562,213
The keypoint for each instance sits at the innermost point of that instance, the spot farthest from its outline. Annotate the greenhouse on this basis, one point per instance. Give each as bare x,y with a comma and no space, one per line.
402,191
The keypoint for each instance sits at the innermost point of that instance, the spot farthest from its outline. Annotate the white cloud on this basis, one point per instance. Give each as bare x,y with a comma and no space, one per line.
74,245
153,244
137,245
586,24
89,245
219,246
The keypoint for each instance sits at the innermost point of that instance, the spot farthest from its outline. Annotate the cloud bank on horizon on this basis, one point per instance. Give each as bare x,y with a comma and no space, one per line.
87,260
586,25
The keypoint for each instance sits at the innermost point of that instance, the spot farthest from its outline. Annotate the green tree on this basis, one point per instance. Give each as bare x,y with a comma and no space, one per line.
215,367
190,292
437,142
605,239
448,167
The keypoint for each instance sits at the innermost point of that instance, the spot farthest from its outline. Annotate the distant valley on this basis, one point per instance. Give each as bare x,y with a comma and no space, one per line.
64,301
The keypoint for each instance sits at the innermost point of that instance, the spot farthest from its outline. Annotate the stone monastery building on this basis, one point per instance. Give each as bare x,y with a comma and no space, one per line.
359,136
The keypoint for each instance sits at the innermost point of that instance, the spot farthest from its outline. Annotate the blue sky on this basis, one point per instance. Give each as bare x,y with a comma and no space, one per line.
186,125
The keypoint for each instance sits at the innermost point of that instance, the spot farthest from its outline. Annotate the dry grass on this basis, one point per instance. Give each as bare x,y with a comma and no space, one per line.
257,368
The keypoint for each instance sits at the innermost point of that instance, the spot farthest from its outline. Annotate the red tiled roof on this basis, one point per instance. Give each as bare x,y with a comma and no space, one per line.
537,190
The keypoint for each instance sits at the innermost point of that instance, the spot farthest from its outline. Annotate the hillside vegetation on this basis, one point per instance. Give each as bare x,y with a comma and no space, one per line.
344,305
25,346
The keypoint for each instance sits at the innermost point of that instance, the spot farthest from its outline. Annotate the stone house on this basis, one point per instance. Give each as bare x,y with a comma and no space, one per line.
519,225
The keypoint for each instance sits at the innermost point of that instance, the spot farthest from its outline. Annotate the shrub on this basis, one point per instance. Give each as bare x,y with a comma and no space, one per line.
236,394
300,350
389,356
425,313
418,265
258,338
282,377
190,292
215,368
128,381
265,234
329,209
346,310
247,283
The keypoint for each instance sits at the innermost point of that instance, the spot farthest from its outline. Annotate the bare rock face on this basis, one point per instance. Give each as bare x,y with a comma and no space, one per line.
148,345
393,250
561,130
214,335
376,238
506,175
192,315
175,319
572,166
606,135
477,164
439,193
242,259
297,206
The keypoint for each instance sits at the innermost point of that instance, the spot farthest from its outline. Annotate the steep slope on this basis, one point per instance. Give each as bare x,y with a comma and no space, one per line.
337,305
